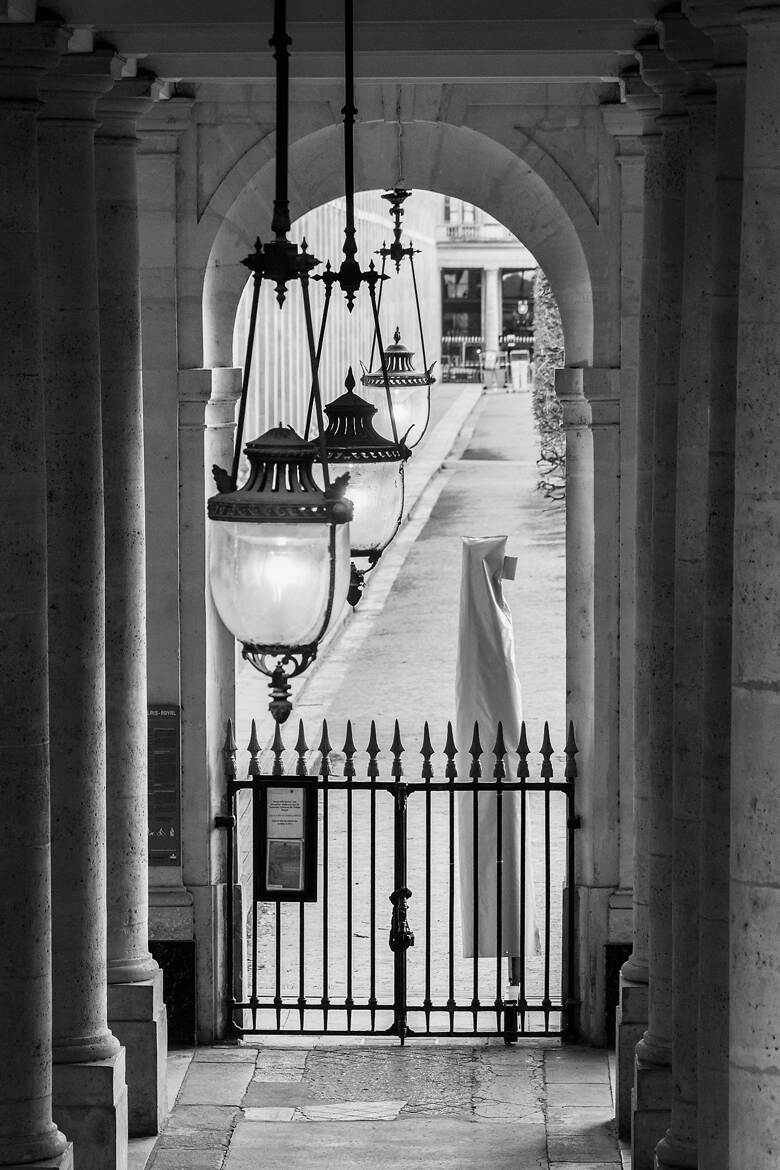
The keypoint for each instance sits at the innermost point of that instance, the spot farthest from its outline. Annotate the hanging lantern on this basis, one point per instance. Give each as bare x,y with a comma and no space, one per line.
279,561
409,389
376,471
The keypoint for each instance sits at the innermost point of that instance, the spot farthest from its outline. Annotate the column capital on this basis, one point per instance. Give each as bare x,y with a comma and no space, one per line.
718,20
627,126
194,395
71,91
119,109
27,53
225,392
760,17
601,389
163,125
689,47
663,76
568,388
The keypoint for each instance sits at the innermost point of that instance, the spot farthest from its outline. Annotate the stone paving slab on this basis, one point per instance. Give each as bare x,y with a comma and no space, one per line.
398,1145
216,1083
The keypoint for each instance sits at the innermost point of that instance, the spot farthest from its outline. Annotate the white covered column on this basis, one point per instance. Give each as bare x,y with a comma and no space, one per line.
90,1096
754,1113
27,1132
491,308
136,1010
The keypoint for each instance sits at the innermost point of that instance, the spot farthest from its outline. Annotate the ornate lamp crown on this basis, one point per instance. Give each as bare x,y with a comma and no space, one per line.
350,436
281,486
400,370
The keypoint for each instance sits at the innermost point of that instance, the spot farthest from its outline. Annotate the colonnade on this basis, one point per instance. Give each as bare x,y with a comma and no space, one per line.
80,991
697,1061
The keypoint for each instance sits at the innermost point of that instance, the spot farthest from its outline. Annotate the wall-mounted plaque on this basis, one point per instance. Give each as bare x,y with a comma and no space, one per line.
285,833
164,785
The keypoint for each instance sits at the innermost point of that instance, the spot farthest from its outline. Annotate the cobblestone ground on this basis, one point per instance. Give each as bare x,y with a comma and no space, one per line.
464,1106
395,659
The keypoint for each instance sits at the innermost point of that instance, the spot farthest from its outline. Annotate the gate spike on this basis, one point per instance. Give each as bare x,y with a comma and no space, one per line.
396,748
349,751
253,747
523,750
229,750
325,749
277,747
450,751
426,751
475,751
571,750
547,751
301,748
373,751
499,751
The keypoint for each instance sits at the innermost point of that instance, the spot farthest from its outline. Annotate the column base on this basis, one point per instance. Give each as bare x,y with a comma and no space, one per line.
63,1161
631,1024
650,1112
138,1019
671,1154
89,1104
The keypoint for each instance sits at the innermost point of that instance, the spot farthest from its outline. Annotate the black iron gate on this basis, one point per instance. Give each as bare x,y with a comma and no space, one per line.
325,848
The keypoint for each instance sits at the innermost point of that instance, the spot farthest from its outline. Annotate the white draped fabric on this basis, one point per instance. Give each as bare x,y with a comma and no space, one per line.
487,690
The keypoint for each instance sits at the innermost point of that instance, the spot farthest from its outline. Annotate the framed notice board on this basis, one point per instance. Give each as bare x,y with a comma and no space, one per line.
164,784
285,833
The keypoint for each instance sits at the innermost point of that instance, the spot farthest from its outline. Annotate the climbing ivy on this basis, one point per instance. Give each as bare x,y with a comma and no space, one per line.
548,356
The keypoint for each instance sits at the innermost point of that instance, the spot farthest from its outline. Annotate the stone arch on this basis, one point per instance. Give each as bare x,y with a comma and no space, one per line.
534,199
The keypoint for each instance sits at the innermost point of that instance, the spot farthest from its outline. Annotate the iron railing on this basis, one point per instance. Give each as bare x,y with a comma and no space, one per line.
326,966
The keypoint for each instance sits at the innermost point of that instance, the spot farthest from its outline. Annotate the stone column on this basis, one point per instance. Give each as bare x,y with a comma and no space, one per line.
678,1147
491,308
90,1096
170,909
641,181
754,1114
136,1011
713,982
27,1132
652,1085
579,642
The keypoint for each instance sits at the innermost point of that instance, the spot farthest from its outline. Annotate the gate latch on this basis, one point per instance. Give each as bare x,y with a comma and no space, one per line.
401,934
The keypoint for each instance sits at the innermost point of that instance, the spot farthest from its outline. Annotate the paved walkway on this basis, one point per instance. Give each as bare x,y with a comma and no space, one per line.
366,1105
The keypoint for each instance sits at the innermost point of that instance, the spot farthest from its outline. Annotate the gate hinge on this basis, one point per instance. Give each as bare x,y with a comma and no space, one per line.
574,822
225,822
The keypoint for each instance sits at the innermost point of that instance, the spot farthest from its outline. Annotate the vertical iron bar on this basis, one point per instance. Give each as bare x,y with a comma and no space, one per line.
301,748
278,996
256,878
475,772
570,1028
373,772
547,774
499,751
427,774
229,751
378,307
523,773
401,892
451,772
325,772
349,773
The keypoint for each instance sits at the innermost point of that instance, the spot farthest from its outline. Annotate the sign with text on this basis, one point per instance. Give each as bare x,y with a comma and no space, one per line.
164,784
286,829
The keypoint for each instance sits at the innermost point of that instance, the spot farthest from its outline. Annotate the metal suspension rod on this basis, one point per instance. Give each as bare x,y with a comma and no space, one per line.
320,340
383,360
315,380
378,307
250,342
349,111
280,224
419,313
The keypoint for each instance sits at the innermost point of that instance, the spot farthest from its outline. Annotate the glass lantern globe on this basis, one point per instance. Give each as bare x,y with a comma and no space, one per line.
410,390
376,471
279,550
